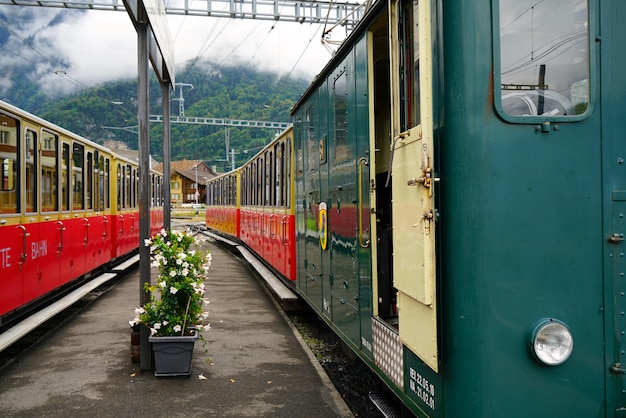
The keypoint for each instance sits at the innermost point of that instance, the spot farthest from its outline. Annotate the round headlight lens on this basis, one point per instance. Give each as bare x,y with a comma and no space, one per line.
552,342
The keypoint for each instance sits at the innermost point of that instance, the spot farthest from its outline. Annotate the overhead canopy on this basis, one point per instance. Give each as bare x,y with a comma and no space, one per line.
161,50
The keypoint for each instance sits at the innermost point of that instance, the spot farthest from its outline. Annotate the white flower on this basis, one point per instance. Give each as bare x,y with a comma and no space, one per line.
185,272
147,242
139,311
157,325
172,273
165,322
163,233
177,328
153,331
205,327
134,322
162,284
173,290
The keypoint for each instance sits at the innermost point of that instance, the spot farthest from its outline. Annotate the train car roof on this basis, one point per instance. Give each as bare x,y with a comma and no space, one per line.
345,46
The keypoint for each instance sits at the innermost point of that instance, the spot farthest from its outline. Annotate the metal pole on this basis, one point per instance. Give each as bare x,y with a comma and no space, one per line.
196,184
165,91
143,119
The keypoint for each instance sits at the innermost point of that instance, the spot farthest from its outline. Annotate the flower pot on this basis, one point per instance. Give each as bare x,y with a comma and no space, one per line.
172,355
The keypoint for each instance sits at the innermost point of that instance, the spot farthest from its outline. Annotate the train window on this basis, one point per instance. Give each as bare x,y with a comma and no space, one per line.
409,66
89,181
96,181
232,191
342,150
78,176
120,186
278,195
252,183
65,177
544,58
287,173
9,202
261,174
128,202
48,150
312,146
104,183
30,161
271,179
244,186
135,187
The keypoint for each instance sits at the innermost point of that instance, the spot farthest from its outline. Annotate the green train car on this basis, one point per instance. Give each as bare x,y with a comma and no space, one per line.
460,200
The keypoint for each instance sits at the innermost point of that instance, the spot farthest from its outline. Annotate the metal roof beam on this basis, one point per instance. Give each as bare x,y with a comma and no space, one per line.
344,12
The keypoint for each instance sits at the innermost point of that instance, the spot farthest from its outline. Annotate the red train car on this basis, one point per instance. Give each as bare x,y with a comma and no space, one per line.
254,204
223,209
59,219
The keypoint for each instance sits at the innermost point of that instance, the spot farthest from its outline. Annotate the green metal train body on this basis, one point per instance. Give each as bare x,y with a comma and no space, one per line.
460,199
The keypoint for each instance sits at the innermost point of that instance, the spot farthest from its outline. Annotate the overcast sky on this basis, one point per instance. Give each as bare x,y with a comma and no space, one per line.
99,46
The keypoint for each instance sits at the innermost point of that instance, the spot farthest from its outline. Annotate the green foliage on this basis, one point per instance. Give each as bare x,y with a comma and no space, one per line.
109,111
176,301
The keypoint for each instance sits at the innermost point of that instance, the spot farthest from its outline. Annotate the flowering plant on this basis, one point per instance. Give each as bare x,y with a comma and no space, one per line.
176,301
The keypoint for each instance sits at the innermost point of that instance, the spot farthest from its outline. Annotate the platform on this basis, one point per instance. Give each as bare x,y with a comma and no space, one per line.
254,363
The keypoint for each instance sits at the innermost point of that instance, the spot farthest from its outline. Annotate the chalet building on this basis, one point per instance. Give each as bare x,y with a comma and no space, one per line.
183,177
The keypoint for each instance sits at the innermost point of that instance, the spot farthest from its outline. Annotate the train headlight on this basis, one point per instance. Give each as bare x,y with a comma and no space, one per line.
551,342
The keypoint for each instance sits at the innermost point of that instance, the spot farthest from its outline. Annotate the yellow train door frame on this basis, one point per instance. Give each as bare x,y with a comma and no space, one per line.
413,210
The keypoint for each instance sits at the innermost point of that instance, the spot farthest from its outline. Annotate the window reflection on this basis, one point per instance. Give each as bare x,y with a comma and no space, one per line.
544,57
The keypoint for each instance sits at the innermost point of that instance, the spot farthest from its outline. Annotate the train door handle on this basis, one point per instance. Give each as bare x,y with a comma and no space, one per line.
105,222
283,229
272,229
86,238
60,246
364,243
24,254
617,369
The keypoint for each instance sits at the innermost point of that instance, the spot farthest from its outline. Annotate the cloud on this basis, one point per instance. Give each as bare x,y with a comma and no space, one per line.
73,49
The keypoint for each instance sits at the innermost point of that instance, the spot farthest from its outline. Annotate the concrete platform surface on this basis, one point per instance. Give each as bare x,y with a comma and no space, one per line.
253,364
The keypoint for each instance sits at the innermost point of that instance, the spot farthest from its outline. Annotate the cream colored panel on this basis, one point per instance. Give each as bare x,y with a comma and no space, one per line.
413,225
418,329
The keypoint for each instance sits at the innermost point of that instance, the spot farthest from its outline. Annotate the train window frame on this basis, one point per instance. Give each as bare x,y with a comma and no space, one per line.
89,181
65,177
341,145
31,137
526,99
409,47
11,174
78,173
49,141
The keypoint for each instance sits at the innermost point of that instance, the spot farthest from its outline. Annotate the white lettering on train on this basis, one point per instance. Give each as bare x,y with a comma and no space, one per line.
39,249
5,257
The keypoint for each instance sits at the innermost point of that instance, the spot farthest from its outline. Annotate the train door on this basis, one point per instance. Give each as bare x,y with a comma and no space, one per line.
34,244
50,227
401,142
315,241
66,246
613,105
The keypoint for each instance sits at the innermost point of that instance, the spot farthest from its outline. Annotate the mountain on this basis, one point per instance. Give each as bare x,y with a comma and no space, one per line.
108,112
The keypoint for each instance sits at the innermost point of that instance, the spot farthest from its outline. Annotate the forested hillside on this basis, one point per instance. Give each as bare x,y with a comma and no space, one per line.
109,111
